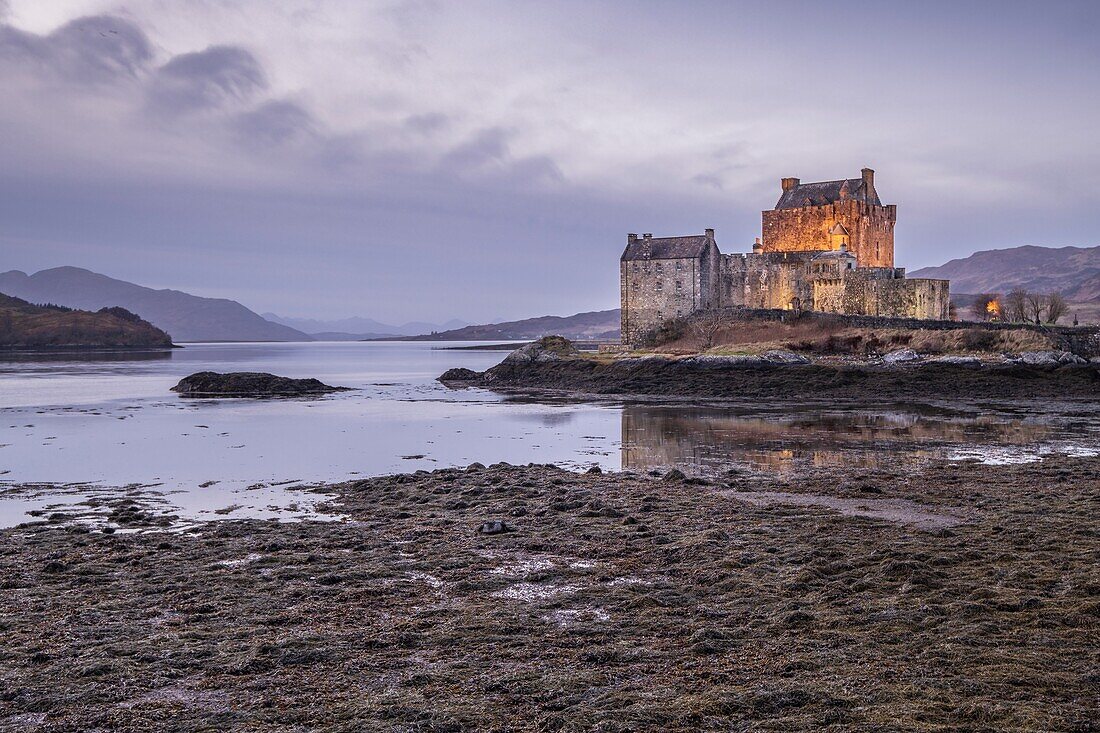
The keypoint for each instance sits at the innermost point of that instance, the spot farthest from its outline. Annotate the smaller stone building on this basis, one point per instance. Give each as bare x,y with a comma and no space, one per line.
827,247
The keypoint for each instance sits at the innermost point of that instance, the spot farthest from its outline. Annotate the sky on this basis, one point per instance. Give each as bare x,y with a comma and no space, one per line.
415,159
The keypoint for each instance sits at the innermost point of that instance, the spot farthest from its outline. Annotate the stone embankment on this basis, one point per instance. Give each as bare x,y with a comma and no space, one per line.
903,374
250,384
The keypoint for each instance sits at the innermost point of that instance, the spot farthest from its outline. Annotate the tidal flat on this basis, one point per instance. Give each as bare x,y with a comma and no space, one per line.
952,596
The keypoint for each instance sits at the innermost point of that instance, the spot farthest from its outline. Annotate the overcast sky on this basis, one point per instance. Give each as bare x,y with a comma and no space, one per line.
430,160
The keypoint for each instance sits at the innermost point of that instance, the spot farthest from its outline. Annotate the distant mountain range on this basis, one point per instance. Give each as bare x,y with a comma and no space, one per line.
186,317
361,328
590,326
1072,271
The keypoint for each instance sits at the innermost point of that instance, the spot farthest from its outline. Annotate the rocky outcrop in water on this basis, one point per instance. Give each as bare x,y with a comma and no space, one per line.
250,384
778,375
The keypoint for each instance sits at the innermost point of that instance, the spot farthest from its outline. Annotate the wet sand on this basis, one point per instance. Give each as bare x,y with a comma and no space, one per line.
618,602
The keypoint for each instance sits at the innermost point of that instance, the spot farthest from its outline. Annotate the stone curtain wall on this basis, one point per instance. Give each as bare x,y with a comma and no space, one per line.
871,230
908,298
765,281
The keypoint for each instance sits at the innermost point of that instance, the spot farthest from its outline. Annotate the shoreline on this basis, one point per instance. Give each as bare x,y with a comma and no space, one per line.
536,369
958,595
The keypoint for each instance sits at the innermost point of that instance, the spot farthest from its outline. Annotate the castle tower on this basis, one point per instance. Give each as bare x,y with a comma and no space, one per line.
821,216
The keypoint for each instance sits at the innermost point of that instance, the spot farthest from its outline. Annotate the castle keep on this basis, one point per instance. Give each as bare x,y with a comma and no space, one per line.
825,247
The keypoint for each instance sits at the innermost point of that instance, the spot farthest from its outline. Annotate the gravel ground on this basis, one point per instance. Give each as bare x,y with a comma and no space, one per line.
955,597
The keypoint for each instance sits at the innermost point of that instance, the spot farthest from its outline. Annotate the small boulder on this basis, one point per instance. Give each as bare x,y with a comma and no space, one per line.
721,361
1040,358
960,361
490,528
780,356
675,475
901,356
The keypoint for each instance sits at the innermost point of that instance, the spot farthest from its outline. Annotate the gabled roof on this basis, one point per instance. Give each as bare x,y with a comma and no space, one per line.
667,248
827,192
838,228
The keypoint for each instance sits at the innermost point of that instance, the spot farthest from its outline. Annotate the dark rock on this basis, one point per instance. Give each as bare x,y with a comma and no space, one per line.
494,528
249,384
595,469
675,475
459,374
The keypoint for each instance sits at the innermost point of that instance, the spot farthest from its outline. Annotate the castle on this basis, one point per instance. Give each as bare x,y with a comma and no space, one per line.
826,247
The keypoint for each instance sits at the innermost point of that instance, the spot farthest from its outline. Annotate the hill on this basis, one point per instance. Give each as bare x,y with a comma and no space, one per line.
594,325
1072,271
187,317
363,328
27,326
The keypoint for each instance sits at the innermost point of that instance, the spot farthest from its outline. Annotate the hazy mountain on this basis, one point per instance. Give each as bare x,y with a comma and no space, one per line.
362,327
1072,271
26,326
186,317
594,325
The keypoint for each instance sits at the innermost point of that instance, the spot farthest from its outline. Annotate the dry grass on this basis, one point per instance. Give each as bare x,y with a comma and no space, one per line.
824,338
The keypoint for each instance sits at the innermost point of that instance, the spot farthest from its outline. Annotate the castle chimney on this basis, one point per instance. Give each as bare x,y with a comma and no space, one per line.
631,238
709,233
868,178
789,183
757,247
647,235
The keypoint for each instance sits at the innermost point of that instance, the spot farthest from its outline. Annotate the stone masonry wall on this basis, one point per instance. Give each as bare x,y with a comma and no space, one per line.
655,291
870,229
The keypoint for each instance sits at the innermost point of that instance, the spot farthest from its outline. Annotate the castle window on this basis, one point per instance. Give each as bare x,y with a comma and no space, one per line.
679,286
659,284
679,265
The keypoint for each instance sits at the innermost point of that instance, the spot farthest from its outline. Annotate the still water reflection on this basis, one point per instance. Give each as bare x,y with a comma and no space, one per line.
713,439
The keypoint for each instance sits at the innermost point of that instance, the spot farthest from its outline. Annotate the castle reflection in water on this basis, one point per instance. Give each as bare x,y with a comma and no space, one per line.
705,439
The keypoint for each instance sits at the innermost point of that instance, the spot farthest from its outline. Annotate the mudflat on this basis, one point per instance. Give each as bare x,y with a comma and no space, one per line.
956,596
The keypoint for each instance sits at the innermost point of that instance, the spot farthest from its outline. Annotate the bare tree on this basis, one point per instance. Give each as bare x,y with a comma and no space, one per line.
705,327
1056,307
986,307
1015,305
1036,306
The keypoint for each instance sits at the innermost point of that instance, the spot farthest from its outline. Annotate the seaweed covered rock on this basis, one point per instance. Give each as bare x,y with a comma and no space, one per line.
459,374
250,384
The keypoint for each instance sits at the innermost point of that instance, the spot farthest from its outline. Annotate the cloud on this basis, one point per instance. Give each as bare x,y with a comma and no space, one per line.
487,153
211,79
427,123
93,49
277,122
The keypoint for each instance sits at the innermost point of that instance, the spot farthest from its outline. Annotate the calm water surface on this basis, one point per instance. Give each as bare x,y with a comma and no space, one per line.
110,421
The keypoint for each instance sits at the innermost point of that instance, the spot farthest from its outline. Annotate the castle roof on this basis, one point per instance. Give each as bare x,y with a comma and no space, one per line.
834,254
828,192
667,248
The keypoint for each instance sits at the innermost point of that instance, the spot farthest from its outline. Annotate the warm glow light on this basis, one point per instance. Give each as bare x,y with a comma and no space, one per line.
993,308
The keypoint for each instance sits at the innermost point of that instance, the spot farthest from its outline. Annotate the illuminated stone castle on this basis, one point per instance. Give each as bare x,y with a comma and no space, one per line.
826,247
